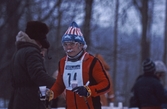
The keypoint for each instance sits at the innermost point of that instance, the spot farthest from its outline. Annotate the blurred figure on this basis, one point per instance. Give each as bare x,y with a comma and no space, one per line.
161,73
107,98
148,91
27,67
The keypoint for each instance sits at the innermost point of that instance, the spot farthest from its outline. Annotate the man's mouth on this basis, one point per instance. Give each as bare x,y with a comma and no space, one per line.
68,51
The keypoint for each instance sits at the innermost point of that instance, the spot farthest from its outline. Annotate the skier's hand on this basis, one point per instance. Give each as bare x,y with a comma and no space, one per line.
49,95
82,91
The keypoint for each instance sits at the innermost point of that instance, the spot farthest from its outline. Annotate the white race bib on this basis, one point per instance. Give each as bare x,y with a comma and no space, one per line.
72,75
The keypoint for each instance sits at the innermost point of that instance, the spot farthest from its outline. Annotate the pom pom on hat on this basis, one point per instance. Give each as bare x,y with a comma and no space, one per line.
37,30
149,66
74,33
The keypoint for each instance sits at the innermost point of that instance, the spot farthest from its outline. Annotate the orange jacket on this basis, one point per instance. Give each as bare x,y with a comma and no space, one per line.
93,72
108,97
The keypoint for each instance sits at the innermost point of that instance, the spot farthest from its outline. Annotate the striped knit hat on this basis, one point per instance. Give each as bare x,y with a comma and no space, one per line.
74,33
149,66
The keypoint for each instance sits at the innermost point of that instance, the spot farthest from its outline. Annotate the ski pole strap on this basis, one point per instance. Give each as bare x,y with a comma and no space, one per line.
89,91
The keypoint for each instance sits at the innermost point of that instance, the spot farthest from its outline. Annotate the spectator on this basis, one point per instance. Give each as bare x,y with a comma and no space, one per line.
161,73
27,67
148,91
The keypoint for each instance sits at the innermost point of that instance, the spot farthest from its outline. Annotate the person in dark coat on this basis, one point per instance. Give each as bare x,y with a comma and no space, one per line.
148,91
27,67
161,71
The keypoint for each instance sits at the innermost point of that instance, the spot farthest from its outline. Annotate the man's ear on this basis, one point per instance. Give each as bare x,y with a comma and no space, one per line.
81,45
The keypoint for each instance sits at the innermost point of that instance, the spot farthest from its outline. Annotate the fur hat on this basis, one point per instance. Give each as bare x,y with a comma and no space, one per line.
37,30
149,66
74,33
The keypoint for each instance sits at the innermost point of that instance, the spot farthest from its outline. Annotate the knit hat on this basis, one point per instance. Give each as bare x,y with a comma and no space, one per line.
160,67
37,30
74,33
148,66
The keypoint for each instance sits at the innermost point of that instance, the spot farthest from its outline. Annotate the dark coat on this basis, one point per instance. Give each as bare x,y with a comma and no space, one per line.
27,74
149,92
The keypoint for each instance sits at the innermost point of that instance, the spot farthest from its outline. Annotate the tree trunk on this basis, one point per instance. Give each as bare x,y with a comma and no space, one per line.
145,48
10,31
165,44
87,22
115,46
165,38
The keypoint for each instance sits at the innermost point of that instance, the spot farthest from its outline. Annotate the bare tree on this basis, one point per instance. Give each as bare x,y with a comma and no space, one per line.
87,20
142,7
12,12
165,37
115,45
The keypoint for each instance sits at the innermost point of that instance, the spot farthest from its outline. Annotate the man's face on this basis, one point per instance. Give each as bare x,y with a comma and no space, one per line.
43,51
72,48
160,74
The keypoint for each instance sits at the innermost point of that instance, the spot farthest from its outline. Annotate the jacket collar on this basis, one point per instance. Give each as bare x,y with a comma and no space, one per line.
23,37
20,45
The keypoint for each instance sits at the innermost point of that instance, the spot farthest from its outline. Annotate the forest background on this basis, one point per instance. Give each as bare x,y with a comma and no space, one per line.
124,32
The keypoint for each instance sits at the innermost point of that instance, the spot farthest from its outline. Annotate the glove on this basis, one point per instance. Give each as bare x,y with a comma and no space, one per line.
82,91
49,95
